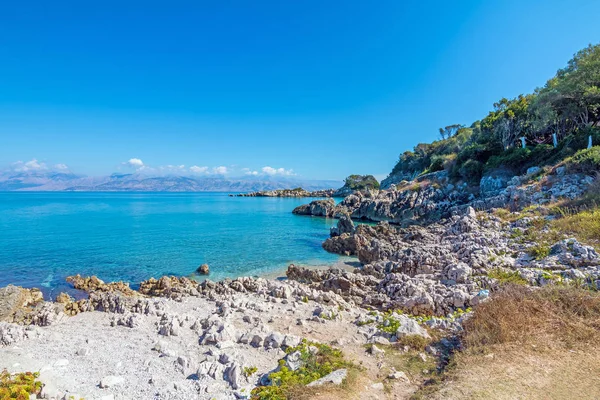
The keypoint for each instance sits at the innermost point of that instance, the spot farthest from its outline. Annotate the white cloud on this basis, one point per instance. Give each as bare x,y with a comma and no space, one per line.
219,170
199,170
33,165
248,171
277,171
61,167
134,163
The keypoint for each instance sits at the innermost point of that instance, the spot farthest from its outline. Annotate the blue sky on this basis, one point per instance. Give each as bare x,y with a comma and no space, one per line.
313,88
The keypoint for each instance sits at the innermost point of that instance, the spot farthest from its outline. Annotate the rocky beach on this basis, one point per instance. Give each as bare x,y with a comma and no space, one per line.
177,338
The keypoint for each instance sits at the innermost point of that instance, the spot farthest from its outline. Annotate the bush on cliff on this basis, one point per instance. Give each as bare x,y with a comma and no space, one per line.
361,182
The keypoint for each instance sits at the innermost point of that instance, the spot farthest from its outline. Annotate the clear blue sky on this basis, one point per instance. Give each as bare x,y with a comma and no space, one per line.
323,88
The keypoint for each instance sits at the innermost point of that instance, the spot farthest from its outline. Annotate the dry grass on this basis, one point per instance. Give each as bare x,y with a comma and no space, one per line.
584,225
551,315
513,372
527,343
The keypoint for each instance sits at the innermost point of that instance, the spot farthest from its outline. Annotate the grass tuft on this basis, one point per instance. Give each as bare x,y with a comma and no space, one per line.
507,277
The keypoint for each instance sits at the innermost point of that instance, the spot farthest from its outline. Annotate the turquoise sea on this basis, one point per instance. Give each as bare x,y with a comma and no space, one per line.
45,237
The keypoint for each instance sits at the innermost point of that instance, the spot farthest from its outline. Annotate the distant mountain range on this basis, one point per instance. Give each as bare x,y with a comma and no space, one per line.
67,181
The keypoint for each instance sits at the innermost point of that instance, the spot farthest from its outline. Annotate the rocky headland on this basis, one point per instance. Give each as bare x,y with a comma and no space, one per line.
352,184
298,192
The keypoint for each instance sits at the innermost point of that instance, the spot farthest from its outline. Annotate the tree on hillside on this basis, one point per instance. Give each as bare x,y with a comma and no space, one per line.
450,130
571,99
510,119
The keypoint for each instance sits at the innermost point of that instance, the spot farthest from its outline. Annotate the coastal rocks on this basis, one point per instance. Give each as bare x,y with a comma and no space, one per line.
492,185
317,208
233,375
344,244
169,286
13,333
344,225
298,192
571,253
18,304
93,284
203,269
431,270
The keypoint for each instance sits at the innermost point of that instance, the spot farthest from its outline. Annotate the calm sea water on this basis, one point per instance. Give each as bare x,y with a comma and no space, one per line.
45,237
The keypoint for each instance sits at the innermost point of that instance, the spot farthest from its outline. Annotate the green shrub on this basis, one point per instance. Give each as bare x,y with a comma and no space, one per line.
315,365
437,163
539,251
585,161
471,171
514,158
389,325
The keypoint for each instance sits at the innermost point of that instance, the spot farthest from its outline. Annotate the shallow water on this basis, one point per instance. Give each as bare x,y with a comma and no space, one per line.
45,237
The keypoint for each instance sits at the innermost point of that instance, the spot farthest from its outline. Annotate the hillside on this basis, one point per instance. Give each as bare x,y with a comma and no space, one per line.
567,106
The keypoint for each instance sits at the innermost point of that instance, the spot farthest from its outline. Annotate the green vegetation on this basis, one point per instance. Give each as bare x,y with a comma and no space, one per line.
18,386
568,105
507,277
389,325
361,182
584,225
585,161
318,360
249,371
539,251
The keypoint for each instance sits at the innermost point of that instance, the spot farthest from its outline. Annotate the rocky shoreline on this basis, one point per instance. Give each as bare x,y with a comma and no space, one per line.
176,338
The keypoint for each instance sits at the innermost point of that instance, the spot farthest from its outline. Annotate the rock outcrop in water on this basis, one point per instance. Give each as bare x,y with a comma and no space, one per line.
317,208
298,192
